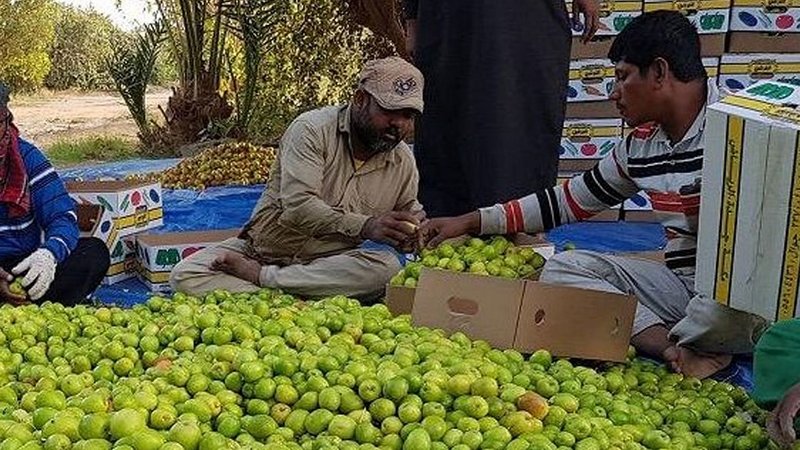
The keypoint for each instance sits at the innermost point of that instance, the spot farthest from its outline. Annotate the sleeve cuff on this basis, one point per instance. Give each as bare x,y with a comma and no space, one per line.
493,220
58,248
352,224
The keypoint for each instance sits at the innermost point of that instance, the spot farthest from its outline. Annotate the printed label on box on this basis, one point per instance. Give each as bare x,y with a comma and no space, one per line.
766,15
709,16
589,138
590,80
134,207
738,71
614,16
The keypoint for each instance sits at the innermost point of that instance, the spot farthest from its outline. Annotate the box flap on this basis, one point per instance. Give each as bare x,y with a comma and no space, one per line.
481,307
106,186
769,102
575,322
189,237
400,299
88,217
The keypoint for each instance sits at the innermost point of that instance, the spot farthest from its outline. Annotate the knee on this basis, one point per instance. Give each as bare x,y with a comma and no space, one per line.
564,261
388,268
95,250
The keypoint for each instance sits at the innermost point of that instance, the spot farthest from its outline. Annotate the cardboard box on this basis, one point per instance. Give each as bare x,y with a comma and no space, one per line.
598,47
526,315
158,254
123,261
738,71
96,221
589,138
712,68
712,44
590,80
749,42
615,15
591,110
748,254
709,16
765,15
134,205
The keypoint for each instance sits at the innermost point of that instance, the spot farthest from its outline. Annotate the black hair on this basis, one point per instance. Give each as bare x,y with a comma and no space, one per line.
661,34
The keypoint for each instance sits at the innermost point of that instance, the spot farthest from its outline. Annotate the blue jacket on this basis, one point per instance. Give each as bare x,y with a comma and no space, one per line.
51,222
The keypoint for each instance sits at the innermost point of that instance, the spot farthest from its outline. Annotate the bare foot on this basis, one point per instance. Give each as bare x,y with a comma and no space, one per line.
699,365
670,357
239,266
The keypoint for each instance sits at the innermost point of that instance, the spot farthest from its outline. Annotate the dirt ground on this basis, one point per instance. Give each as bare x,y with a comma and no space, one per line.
47,118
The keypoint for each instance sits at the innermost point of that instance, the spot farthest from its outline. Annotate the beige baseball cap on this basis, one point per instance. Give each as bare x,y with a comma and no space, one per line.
394,83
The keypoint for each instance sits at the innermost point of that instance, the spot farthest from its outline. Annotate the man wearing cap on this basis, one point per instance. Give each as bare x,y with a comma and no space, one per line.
343,176
39,237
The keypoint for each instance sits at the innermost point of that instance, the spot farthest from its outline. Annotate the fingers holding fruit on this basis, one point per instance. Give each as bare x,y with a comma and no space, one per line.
396,228
11,290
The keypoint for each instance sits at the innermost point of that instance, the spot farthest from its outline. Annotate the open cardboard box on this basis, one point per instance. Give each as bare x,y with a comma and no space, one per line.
526,315
400,299
133,205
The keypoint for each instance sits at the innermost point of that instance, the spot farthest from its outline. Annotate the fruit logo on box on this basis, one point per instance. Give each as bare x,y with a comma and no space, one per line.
133,206
615,15
738,71
590,139
766,15
709,16
590,80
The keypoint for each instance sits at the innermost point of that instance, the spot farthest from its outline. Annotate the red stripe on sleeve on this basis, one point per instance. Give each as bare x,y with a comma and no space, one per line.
510,217
577,211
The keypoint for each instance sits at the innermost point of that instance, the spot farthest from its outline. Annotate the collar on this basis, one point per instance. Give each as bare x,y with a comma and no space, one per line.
379,160
699,123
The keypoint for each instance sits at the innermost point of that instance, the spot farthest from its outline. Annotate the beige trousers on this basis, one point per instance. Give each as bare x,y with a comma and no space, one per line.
356,273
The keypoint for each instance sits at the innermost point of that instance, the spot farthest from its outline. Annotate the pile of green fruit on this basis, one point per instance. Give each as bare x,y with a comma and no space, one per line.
265,371
229,164
494,257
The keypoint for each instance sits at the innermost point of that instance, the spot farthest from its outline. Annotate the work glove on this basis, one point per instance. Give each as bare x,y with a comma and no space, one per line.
41,270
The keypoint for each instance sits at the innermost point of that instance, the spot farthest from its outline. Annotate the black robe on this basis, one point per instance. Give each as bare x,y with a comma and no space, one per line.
496,74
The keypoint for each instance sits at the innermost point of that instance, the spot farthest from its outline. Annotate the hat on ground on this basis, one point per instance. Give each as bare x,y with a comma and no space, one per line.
394,83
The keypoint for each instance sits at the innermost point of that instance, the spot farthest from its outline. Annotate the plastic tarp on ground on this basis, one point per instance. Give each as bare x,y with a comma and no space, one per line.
230,207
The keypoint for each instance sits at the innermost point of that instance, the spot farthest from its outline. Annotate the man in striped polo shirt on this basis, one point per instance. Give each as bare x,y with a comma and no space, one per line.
39,240
662,89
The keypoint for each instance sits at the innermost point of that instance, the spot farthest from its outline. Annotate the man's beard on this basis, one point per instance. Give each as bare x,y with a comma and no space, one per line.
374,140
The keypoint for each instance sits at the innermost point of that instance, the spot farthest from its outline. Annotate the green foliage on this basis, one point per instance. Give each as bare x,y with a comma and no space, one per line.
83,42
131,68
26,35
315,55
98,148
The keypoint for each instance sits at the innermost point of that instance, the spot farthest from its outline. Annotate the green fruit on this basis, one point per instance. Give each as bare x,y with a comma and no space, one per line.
126,422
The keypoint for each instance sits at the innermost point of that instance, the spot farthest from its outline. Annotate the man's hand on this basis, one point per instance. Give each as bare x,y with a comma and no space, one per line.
781,422
395,228
435,231
5,289
591,17
40,271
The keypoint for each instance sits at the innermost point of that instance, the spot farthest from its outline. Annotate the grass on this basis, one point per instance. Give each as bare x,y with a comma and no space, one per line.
69,152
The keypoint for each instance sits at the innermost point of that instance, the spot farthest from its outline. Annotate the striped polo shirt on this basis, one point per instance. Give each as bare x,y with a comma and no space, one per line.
644,161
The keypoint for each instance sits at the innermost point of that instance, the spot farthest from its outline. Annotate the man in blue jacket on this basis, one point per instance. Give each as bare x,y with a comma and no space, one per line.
39,237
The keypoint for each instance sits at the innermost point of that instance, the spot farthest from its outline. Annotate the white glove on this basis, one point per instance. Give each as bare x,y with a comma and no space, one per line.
41,268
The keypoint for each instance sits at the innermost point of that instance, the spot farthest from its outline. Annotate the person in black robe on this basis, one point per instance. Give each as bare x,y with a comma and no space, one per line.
496,77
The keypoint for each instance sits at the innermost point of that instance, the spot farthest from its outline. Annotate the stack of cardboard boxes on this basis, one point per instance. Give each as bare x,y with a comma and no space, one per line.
764,43
593,127
126,208
120,213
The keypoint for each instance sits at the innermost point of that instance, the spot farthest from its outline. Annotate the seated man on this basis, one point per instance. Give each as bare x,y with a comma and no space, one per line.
38,227
661,88
343,176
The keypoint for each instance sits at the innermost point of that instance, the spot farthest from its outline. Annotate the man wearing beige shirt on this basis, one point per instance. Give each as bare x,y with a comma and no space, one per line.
343,176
